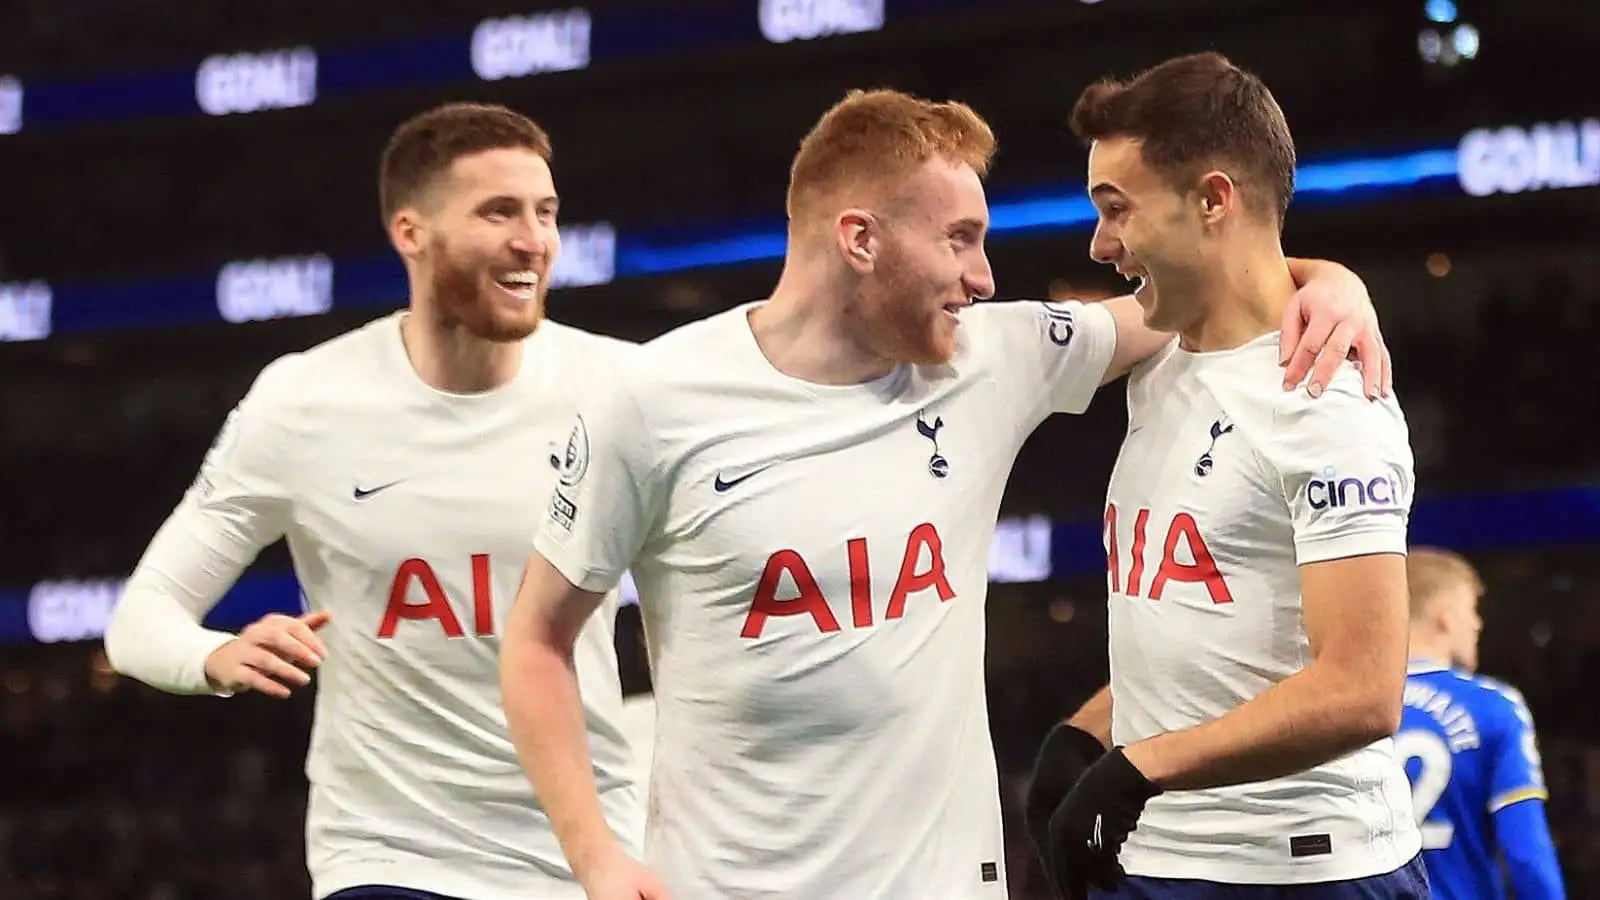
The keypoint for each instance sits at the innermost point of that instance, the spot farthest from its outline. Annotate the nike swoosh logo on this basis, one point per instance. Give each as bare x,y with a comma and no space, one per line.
722,486
362,493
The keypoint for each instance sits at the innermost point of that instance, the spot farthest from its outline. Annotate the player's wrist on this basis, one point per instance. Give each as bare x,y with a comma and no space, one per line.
592,857
1152,761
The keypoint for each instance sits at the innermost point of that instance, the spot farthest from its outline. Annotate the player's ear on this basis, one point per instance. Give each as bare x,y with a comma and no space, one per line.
407,231
856,238
1217,197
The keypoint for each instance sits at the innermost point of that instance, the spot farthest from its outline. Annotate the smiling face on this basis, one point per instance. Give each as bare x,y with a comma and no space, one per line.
470,204
886,192
1152,232
490,242
1183,158
920,264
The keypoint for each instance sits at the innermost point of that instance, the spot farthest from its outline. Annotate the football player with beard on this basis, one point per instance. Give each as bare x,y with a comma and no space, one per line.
806,489
405,463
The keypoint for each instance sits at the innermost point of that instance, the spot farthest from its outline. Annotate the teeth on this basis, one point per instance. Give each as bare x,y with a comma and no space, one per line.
522,278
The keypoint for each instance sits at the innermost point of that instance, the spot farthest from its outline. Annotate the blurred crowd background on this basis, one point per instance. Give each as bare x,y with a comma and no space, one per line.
190,191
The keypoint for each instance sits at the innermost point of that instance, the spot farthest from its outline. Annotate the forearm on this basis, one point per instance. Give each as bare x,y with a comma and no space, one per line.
153,638
540,689
1094,716
1530,854
1299,723
155,633
1136,341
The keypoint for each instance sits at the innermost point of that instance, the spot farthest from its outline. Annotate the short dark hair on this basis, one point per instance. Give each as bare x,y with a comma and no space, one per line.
424,147
1194,113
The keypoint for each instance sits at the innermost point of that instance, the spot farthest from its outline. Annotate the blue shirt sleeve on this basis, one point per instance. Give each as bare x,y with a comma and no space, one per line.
1518,774
1516,799
1524,838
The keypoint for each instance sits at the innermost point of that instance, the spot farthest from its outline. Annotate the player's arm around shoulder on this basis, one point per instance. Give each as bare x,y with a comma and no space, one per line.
238,504
1048,356
1344,467
1330,315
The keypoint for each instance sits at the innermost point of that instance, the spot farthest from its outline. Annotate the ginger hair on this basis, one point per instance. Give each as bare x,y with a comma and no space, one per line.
871,141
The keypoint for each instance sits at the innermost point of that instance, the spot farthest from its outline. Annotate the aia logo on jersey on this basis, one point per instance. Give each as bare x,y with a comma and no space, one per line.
1202,466
922,569
1329,491
938,466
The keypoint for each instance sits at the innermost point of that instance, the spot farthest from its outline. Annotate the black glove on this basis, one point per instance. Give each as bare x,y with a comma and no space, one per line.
1089,826
1064,756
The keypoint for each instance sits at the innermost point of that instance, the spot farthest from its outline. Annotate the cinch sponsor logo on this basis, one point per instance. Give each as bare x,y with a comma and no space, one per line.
1332,492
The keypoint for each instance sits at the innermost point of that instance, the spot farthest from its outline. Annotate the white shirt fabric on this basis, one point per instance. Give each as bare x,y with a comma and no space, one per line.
408,513
812,565
1226,484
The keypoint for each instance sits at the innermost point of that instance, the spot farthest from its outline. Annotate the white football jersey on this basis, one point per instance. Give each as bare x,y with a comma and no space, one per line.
1226,484
812,565
408,512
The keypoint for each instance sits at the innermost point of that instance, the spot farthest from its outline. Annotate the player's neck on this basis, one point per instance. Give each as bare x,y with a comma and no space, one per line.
804,333
1425,649
449,358
1244,301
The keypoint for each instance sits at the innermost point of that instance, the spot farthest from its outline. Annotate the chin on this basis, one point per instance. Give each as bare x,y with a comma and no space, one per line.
938,349
492,322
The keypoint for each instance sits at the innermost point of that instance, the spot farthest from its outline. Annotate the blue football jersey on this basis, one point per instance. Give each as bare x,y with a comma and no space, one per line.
1469,750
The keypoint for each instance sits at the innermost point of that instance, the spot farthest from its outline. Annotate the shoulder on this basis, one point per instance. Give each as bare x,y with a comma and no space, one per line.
1500,697
560,334
299,379
1342,409
686,353
659,380
1340,434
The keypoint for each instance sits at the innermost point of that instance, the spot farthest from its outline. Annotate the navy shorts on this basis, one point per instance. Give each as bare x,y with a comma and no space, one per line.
382,892
1409,882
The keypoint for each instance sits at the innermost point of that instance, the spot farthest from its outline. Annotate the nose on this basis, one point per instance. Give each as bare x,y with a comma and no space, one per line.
980,281
1104,247
530,237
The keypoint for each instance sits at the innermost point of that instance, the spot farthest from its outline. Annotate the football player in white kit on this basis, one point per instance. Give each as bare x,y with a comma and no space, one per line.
1256,542
807,488
405,463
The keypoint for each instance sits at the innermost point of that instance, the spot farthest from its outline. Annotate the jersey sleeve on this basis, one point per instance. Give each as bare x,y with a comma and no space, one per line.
608,492
237,505
1344,467
1056,353
1532,866
1518,773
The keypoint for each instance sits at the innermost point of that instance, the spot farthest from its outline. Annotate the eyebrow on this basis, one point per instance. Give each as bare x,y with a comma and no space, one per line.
1105,188
501,199
972,224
